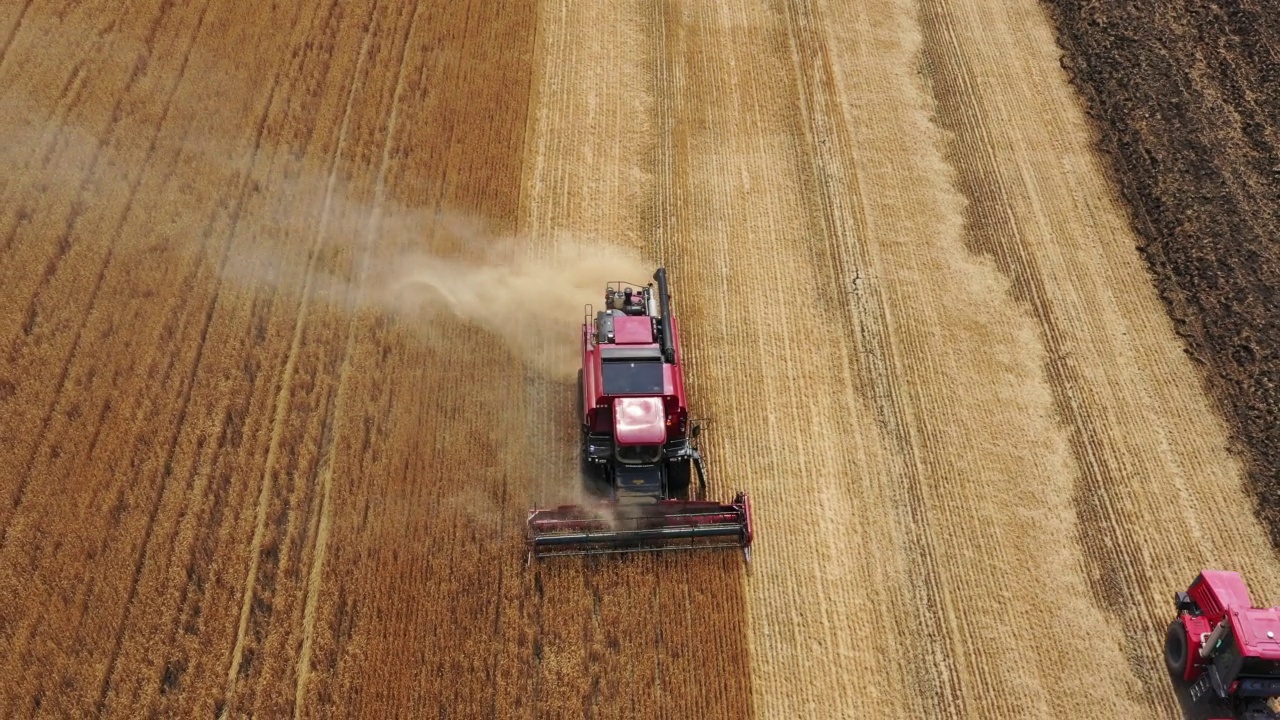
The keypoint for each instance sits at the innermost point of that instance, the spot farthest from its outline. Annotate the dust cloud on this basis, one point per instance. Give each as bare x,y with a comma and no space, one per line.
531,297
432,270
316,237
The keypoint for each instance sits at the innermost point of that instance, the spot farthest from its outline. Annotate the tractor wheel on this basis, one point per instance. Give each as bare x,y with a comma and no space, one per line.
582,416
1175,649
678,479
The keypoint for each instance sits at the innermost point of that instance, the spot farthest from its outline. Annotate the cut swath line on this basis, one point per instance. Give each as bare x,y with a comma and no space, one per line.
315,575
285,394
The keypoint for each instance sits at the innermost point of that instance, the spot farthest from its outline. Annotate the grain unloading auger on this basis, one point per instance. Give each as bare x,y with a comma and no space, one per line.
638,443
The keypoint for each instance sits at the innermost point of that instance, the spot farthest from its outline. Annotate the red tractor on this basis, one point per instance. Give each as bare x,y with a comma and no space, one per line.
638,442
1227,650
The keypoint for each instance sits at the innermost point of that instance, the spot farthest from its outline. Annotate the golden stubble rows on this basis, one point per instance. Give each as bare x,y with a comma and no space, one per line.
1149,453
951,387
1020,423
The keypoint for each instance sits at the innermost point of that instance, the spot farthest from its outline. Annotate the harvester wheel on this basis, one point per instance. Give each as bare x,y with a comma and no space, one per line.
1175,649
592,482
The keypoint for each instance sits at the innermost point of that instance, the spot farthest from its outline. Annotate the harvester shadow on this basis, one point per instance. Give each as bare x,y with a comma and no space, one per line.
1197,709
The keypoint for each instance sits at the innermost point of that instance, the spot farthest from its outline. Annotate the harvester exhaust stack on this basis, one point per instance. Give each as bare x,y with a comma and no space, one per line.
639,447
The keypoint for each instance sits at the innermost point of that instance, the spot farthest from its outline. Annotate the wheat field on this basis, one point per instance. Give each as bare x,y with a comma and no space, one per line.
290,293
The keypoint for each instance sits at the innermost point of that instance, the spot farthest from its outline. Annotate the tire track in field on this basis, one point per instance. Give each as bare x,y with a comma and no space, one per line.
284,395
967,383
55,128
315,574
68,99
620,636
665,79
200,480
13,32
144,548
773,368
184,673
130,550
836,187
1176,108
107,134
191,375
54,123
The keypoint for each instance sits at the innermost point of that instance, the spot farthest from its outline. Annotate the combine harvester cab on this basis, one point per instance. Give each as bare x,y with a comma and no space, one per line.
638,449
1224,649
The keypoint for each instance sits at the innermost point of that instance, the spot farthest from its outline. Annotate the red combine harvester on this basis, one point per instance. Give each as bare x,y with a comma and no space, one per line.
1225,648
638,449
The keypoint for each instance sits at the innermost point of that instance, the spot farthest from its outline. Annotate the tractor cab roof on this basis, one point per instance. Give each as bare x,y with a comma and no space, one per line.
1257,632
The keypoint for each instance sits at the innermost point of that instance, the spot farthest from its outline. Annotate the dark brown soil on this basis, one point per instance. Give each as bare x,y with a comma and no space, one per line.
1186,99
